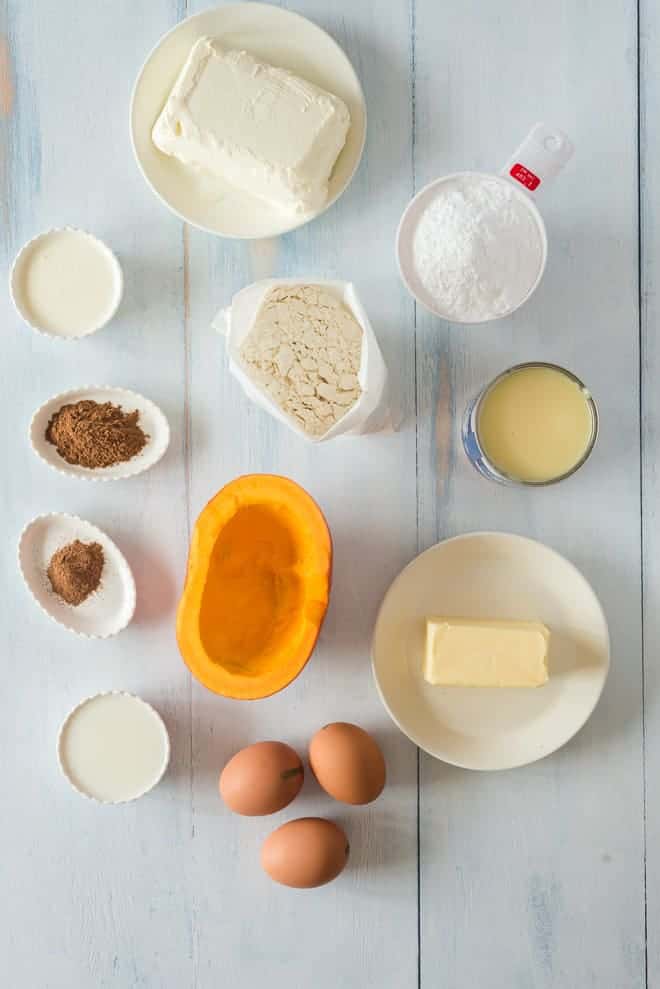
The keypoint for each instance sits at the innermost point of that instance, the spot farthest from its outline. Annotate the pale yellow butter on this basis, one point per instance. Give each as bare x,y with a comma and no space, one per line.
484,653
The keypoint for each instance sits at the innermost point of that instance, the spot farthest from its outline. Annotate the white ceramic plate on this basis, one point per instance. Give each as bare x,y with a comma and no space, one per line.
491,575
104,613
152,421
274,35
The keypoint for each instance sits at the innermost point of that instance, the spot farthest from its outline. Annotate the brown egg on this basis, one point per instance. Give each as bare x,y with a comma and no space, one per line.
305,853
348,763
261,779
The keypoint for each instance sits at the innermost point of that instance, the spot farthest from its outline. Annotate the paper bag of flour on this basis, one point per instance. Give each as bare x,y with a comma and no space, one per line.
306,352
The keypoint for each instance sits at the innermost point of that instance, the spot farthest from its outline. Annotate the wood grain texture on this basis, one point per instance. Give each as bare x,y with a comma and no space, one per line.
363,930
536,877
91,899
533,879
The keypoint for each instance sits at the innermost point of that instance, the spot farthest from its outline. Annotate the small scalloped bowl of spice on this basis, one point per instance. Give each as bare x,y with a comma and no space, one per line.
99,433
77,575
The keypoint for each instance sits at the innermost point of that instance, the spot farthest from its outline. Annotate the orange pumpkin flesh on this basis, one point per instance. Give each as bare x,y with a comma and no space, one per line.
257,587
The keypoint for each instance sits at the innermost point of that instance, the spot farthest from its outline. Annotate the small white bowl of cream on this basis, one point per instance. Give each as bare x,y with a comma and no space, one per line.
66,283
113,748
472,246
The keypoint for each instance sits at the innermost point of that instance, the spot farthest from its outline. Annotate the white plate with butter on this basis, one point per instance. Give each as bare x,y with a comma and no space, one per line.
491,575
282,39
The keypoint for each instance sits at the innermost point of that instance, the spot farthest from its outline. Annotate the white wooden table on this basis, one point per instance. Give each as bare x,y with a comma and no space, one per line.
543,877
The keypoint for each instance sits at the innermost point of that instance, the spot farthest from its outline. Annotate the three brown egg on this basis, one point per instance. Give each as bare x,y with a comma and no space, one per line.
265,777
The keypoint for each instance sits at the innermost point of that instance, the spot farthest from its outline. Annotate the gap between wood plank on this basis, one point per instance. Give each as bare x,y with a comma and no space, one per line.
641,325
413,134
413,138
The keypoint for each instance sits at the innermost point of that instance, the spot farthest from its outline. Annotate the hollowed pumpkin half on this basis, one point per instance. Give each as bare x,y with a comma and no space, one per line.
257,587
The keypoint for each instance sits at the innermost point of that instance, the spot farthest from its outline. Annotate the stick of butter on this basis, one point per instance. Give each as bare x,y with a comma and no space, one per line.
483,653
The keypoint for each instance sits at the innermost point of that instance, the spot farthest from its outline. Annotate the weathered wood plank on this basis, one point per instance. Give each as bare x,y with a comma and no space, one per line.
650,364
92,896
535,877
362,930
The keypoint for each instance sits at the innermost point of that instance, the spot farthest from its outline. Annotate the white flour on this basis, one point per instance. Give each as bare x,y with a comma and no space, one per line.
477,248
304,350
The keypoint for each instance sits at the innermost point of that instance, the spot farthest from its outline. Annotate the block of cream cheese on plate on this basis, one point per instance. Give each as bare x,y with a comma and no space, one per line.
483,653
260,128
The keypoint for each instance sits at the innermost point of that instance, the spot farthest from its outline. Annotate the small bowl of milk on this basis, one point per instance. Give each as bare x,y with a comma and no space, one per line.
113,748
472,246
66,284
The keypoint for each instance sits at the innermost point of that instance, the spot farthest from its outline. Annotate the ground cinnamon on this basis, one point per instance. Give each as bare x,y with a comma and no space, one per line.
94,434
75,571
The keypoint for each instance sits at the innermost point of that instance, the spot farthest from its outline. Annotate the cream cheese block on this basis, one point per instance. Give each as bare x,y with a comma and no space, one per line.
261,128
483,653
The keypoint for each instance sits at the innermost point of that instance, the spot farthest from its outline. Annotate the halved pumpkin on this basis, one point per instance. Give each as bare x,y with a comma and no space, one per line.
257,587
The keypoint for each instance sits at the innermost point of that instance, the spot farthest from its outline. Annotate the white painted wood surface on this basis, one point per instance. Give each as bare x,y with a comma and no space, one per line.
542,877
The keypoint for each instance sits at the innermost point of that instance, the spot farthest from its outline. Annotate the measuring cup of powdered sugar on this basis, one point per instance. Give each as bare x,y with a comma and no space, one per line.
305,351
472,246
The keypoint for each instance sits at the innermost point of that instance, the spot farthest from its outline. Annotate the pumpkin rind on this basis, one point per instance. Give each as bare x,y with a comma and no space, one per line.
257,587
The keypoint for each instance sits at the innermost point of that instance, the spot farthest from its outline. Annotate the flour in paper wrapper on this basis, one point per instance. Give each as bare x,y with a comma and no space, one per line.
306,352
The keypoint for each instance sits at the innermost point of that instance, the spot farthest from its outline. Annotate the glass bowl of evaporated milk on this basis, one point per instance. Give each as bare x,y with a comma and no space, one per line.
534,424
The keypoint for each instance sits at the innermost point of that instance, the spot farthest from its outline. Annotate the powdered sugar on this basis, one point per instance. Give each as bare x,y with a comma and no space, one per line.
478,249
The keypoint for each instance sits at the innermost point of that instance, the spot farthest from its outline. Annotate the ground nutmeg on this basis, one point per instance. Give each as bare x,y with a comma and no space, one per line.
75,571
